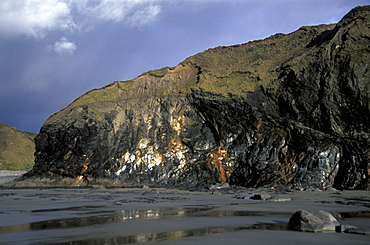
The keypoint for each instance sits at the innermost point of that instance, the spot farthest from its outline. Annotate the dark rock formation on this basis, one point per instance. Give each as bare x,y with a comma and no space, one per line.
291,110
316,221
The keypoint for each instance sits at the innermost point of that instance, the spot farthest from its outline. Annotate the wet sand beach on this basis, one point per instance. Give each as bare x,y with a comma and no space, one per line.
99,215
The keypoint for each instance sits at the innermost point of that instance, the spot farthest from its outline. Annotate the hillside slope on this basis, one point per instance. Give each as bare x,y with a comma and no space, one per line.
290,110
17,148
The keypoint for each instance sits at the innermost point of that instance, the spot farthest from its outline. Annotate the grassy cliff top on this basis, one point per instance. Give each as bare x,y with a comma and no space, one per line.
236,69
241,68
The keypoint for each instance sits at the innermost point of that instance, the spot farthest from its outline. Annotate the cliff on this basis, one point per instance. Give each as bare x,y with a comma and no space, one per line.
290,110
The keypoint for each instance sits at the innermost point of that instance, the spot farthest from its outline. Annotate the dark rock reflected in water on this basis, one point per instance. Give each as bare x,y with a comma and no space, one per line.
93,215
162,236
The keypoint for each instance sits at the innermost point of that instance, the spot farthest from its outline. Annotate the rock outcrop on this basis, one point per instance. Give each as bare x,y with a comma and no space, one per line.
291,110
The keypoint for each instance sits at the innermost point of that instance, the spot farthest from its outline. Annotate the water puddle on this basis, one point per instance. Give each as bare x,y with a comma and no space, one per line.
78,208
173,235
84,216
222,213
91,215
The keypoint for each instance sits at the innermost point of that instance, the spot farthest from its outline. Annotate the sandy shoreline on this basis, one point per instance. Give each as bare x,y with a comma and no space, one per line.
100,215
9,175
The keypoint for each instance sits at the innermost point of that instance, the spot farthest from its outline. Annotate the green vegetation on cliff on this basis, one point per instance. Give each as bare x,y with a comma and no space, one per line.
236,69
242,68
16,148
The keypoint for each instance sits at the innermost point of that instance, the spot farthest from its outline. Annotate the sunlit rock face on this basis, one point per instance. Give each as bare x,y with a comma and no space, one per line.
141,138
291,110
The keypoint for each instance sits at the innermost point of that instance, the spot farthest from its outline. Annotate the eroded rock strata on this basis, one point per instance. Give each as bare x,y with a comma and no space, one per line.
290,110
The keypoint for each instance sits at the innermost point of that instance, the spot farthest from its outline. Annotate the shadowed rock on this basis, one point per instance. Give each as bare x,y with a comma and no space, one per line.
316,221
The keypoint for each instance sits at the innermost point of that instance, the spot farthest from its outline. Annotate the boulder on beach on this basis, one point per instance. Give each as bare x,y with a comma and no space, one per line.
316,221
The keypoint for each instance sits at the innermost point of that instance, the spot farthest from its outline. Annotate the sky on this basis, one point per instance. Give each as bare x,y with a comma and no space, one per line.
53,51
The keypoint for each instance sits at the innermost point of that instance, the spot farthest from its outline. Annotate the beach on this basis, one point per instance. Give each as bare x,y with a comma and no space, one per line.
9,175
115,215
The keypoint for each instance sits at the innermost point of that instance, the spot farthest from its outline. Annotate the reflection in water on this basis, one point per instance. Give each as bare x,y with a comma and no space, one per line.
78,208
160,212
14,228
222,213
98,217
85,216
172,235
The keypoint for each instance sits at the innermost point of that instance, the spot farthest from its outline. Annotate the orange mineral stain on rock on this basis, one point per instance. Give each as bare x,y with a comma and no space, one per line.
214,162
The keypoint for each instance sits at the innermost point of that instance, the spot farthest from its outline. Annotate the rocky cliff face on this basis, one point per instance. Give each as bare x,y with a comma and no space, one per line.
290,110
